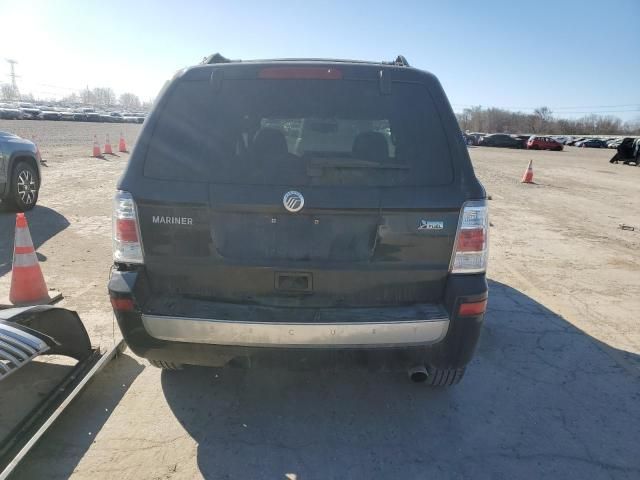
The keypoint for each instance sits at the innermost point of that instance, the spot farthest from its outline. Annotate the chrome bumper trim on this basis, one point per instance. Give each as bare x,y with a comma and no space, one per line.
259,334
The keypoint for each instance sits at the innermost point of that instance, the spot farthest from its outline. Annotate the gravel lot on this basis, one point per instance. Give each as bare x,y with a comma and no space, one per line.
553,391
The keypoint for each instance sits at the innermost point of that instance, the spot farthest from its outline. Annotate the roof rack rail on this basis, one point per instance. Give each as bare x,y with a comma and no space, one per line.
400,60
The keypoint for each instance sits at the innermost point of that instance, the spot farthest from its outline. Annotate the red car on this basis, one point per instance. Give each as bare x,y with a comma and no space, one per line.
543,143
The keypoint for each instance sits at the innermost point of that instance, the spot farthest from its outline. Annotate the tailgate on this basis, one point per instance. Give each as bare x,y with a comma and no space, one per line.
244,246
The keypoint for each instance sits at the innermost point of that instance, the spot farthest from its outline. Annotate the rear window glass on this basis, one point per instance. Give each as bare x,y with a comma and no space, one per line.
300,132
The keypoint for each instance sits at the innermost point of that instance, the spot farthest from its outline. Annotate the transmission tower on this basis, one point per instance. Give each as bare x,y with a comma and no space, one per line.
13,76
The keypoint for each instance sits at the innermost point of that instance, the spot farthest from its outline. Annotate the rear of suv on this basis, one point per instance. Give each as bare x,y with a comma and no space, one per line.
296,206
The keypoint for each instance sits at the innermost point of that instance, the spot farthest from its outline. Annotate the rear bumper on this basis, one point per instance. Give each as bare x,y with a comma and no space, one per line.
296,335
429,333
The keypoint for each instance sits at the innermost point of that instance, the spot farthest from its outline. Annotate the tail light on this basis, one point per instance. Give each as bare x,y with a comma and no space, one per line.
126,232
306,73
471,247
122,304
472,309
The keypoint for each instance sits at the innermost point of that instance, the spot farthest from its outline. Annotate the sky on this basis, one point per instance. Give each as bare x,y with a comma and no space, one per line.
576,57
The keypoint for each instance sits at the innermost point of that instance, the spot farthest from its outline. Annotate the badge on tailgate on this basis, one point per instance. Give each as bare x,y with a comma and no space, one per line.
430,225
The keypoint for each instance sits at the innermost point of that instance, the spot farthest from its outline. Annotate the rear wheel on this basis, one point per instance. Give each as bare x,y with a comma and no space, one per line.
25,186
444,377
166,365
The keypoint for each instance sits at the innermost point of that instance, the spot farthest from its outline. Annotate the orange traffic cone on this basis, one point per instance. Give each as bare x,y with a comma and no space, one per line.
107,146
27,282
528,174
122,146
96,147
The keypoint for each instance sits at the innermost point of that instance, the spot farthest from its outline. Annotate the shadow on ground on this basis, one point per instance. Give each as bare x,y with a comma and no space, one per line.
44,223
541,400
74,432
23,390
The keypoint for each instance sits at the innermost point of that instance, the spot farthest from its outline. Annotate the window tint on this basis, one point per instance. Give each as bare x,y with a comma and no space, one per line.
302,132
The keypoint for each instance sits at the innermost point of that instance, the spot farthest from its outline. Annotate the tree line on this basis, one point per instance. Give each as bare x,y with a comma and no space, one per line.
542,121
106,97
99,97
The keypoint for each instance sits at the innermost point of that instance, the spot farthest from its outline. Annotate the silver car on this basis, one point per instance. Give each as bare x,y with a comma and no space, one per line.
20,173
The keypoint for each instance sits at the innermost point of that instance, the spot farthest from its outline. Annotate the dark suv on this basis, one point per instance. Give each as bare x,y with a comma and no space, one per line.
282,207
501,140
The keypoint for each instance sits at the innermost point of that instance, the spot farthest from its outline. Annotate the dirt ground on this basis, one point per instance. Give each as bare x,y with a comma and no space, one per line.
553,390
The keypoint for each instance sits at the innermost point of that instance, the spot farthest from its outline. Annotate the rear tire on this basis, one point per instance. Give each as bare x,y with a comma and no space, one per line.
24,187
444,377
171,366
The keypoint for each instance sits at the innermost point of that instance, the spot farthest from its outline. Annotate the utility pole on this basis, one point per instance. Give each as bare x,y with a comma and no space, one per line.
13,76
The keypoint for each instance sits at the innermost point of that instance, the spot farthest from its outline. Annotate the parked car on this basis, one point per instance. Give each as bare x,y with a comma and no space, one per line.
106,118
592,143
614,143
573,141
30,113
473,138
67,115
10,112
50,115
543,143
524,139
375,244
79,116
117,117
19,172
500,140
130,118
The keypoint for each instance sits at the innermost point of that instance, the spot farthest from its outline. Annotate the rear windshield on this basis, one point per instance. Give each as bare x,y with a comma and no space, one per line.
300,132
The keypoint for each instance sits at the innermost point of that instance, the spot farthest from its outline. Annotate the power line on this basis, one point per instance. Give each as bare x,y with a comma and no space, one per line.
631,105
582,112
597,106
59,87
599,111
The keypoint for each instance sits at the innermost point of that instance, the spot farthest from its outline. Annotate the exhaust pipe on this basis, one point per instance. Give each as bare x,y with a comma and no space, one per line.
418,374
